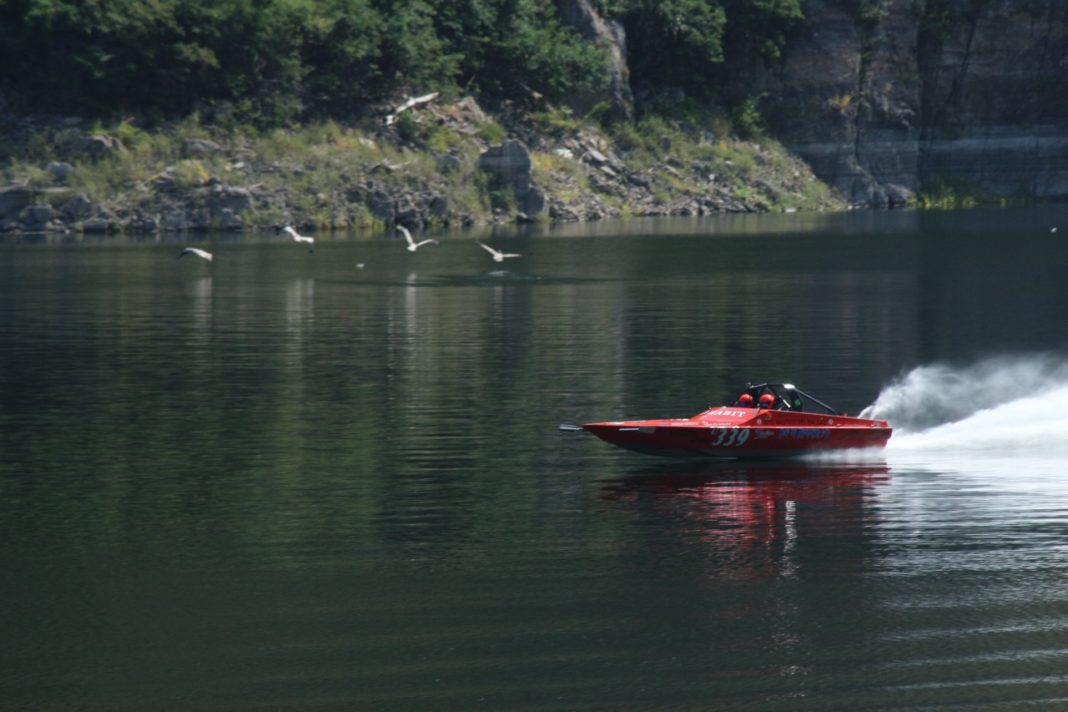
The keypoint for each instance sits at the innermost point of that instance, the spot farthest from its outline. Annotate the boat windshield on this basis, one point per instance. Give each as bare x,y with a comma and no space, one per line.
783,396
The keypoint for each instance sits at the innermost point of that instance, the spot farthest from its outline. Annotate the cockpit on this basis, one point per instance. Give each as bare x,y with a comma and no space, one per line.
781,396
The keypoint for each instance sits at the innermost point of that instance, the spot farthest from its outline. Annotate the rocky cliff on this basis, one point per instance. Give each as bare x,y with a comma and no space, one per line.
968,93
609,35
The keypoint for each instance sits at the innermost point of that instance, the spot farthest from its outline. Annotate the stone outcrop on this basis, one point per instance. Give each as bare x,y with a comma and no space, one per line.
77,207
510,165
879,108
13,199
199,147
610,35
61,171
380,179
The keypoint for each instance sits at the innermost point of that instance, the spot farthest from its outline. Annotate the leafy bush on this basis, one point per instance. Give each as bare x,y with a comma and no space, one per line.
950,192
407,126
491,132
747,119
190,173
556,122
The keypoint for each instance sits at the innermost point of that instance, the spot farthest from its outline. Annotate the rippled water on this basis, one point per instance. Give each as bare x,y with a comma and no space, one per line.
283,481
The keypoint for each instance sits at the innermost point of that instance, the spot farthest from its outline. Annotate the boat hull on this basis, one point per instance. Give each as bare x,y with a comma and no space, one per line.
743,434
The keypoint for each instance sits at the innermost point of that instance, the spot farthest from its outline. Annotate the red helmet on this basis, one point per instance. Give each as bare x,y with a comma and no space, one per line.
767,400
745,400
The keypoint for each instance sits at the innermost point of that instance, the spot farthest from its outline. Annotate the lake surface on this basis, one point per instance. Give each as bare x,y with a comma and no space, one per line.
283,481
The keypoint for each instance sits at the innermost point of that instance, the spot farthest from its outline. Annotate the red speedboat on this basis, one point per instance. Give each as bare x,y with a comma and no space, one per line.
766,420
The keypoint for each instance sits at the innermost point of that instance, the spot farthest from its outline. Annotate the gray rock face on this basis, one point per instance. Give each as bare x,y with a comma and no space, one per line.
510,165
470,112
881,110
227,219
228,198
172,219
382,206
13,199
581,15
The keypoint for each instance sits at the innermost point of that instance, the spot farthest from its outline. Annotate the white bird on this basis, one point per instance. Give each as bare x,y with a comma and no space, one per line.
1053,230
297,237
498,256
202,254
412,244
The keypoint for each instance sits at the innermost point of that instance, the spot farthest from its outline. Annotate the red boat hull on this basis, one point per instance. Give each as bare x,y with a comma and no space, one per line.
735,433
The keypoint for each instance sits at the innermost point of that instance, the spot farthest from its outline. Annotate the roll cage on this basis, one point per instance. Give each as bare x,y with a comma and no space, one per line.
787,397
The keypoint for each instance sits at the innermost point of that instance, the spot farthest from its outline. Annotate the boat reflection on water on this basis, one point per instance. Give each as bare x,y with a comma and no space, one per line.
757,519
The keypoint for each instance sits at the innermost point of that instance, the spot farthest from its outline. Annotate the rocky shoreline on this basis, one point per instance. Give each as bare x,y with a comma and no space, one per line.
434,165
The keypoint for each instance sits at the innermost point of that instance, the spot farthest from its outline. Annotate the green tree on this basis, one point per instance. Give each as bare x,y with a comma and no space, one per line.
507,47
671,42
757,30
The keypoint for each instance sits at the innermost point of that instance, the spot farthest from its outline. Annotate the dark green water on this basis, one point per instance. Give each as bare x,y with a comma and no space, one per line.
280,481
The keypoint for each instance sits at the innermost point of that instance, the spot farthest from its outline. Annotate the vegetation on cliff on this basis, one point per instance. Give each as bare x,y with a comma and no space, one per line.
272,62
253,113
427,170
176,114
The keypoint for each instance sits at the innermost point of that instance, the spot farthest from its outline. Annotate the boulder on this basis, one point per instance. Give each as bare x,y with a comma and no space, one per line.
77,207
36,216
510,161
164,182
140,224
449,164
469,111
60,171
13,199
96,226
438,206
510,165
408,214
198,147
531,203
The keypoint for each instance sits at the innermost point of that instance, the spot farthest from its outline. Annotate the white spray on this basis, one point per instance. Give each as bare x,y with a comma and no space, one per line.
1000,405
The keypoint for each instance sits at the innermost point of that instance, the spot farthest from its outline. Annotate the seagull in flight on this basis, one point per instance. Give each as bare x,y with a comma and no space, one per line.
412,244
196,252
297,237
498,256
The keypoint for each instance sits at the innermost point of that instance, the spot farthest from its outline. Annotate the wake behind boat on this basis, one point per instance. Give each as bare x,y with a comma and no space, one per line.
766,420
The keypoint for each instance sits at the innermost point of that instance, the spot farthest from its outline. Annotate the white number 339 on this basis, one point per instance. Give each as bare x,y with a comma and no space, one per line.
729,437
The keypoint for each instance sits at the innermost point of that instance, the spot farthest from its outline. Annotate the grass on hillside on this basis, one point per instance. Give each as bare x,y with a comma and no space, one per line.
310,173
